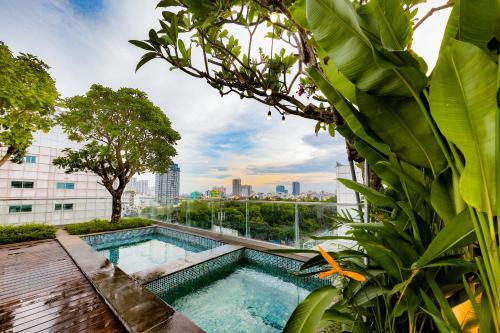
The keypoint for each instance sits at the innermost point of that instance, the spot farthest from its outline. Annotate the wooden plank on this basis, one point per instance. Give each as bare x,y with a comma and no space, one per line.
41,289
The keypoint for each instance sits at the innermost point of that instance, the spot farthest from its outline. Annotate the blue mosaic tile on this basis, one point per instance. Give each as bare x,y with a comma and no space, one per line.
209,270
194,273
127,235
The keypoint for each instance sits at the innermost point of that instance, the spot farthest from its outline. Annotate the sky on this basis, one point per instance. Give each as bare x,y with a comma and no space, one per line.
85,42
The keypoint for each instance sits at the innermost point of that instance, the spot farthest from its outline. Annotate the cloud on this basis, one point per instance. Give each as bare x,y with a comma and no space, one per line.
85,42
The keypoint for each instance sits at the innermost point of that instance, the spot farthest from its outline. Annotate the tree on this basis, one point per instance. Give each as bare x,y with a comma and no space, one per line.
28,97
122,133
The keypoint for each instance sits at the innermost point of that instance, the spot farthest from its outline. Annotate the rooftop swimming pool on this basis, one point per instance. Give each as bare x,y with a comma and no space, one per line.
245,291
137,250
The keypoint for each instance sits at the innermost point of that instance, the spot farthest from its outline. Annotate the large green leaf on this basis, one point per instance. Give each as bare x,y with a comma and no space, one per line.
374,197
445,197
368,293
373,157
335,76
400,124
393,23
463,104
348,113
479,22
298,12
457,233
306,317
336,28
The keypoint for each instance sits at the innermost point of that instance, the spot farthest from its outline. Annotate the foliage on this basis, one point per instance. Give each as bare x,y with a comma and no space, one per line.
104,225
237,65
26,232
122,133
432,139
27,102
433,242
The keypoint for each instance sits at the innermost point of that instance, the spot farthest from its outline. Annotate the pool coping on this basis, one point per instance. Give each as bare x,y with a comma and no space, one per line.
236,240
142,311
138,309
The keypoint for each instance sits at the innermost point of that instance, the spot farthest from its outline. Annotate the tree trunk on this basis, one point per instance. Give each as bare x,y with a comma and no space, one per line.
116,212
7,156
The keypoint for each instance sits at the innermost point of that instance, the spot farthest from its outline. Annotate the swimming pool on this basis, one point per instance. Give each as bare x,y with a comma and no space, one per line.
244,291
140,249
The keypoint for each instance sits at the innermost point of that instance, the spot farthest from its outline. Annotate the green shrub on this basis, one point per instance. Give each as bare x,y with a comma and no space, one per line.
104,225
27,232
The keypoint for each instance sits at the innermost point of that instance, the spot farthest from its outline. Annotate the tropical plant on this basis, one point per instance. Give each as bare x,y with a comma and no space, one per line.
432,249
433,140
122,134
28,97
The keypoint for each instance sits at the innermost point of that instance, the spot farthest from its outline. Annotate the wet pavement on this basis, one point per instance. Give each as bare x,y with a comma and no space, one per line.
41,289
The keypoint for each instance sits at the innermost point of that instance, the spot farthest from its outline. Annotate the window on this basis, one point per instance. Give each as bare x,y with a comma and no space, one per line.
21,184
30,159
66,206
65,186
20,208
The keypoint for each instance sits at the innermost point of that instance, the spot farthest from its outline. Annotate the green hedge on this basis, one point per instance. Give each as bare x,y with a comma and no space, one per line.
26,232
104,225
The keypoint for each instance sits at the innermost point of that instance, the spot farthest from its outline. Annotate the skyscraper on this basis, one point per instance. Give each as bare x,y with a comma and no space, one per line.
237,186
295,188
167,186
280,188
246,191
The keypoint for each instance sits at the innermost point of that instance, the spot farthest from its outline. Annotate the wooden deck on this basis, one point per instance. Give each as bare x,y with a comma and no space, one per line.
41,289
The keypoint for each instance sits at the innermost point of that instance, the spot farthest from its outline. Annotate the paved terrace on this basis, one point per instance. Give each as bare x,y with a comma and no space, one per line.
41,289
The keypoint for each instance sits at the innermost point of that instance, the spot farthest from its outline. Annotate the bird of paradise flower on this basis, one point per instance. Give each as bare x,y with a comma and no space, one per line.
336,269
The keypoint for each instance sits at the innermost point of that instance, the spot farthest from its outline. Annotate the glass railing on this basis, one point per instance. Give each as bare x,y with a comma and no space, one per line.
280,222
287,223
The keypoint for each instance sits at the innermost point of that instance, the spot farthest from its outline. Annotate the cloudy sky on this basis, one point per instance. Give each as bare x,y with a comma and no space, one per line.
85,42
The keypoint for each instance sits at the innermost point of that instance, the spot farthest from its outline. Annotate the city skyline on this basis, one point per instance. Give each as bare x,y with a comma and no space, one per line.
222,138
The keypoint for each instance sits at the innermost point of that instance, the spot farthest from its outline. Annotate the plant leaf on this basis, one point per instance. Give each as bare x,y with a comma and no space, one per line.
306,317
457,233
463,104
374,197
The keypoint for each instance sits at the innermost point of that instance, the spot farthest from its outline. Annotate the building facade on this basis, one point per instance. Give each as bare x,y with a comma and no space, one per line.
236,187
280,189
167,186
139,186
37,191
295,188
246,191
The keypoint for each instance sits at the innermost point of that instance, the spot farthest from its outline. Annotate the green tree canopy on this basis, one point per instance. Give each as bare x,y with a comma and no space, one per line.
28,97
123,134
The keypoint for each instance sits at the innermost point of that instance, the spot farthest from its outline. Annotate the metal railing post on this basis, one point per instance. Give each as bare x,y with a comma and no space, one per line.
297,231
247,230
188,222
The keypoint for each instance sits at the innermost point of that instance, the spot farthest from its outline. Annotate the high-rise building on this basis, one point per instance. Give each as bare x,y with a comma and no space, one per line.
138,186
246,191
167,186
237,186
295,188
221,190
280,188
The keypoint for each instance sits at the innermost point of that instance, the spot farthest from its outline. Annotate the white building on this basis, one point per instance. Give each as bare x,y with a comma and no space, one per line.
37,191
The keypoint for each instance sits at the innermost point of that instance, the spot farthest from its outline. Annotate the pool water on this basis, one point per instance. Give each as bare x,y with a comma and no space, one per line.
146,251
246,299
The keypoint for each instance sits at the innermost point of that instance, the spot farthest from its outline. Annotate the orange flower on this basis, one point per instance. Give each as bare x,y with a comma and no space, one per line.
337,269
